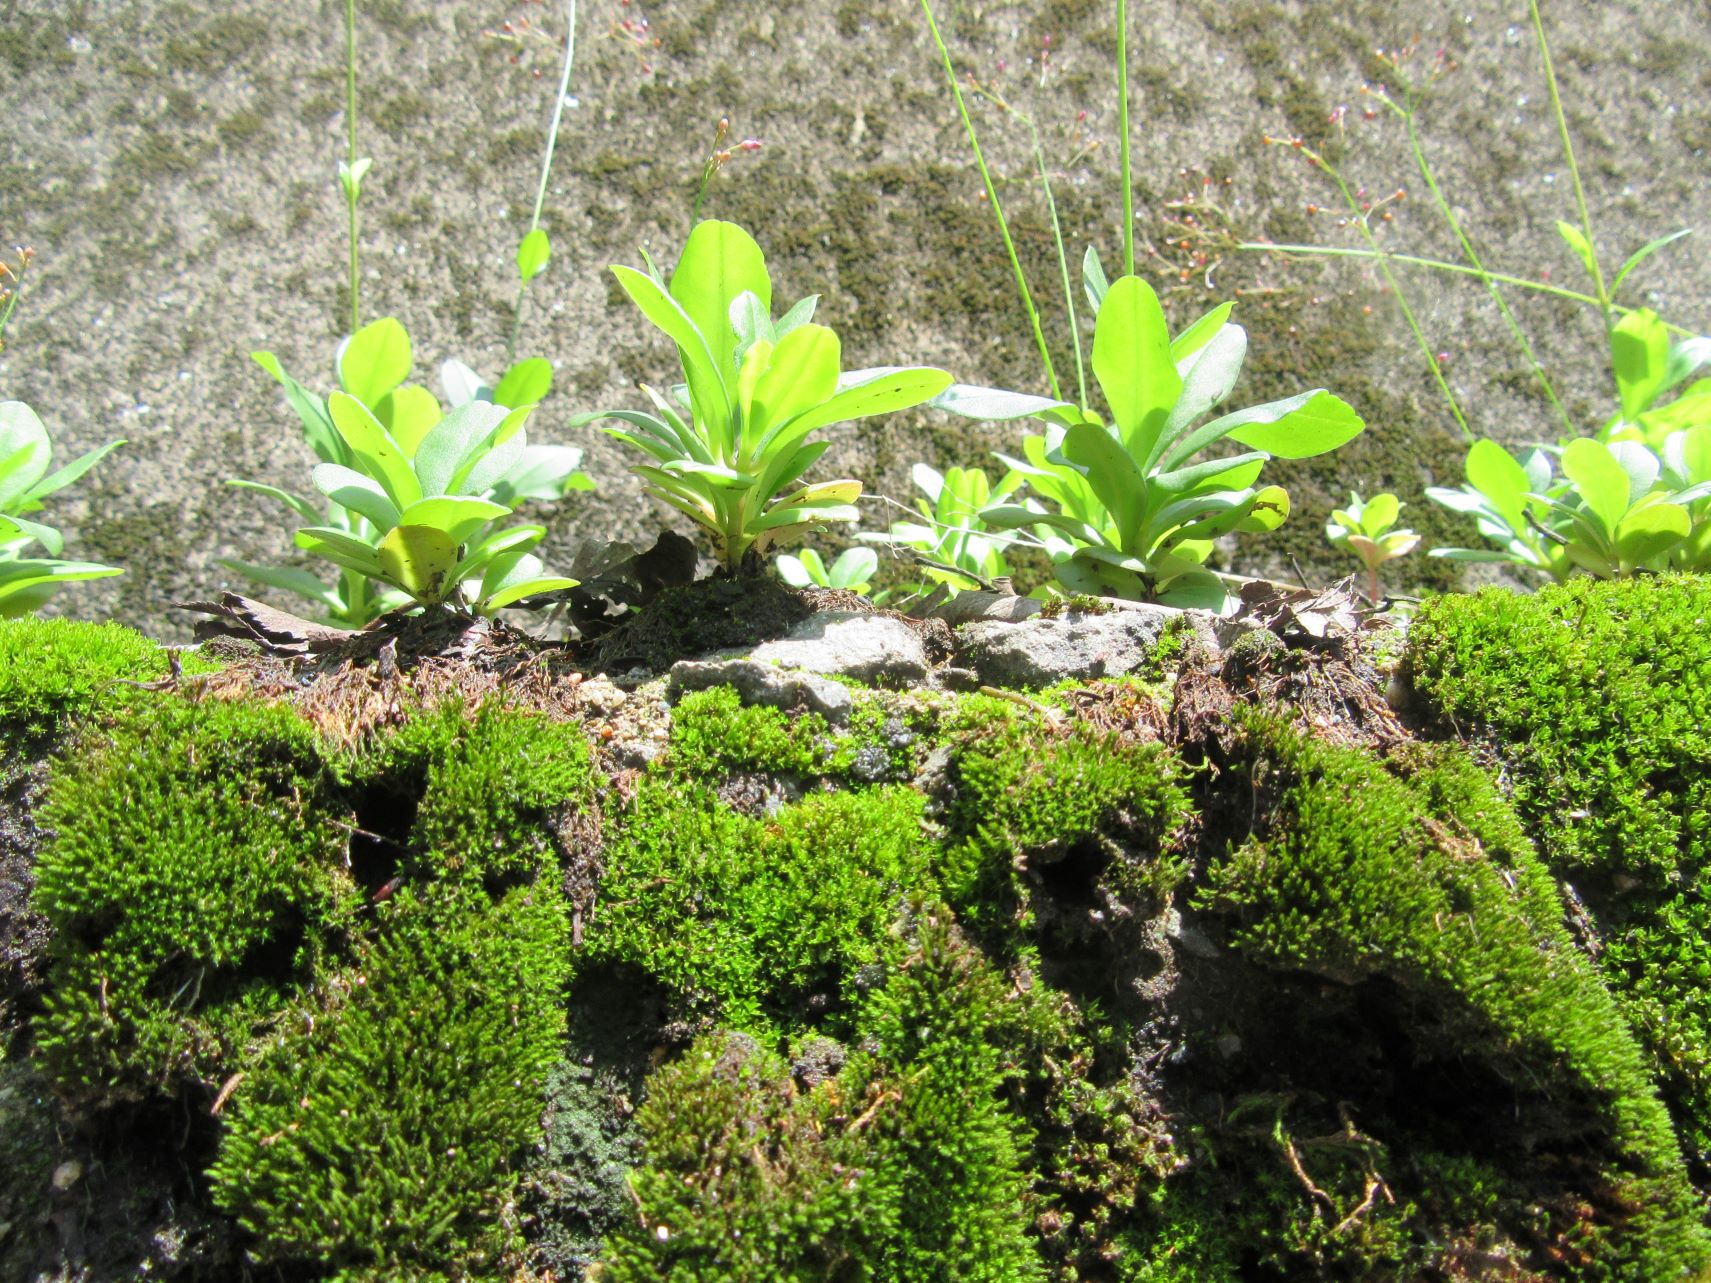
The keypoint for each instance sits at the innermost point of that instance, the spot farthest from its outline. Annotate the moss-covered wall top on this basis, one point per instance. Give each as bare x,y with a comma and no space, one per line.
1224,972
173,164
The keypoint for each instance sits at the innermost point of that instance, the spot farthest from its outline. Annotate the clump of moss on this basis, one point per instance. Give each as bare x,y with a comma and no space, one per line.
1024,791
52,668
758,922
192,881
488,788
906,1166
1597,695
1600,693
1353,873
744,1177
714,734
383,1127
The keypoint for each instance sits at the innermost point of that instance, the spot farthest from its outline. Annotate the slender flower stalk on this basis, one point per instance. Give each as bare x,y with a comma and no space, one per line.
546,164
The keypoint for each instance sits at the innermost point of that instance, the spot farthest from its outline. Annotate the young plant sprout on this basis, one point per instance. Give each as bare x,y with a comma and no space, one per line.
1365,528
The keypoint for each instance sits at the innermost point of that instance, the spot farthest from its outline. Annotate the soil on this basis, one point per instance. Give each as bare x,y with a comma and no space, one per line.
173,165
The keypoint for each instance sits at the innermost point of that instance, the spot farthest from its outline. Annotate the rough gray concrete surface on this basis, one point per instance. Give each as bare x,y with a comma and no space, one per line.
173,165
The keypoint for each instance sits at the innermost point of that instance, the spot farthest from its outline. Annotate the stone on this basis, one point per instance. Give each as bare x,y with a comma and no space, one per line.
1075,644
880,650
765,685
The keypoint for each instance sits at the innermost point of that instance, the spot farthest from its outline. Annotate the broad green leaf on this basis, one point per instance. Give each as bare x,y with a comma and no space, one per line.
512,593
994,404
800,313
525,383
533,253
318,428
1639,354
373,450
1199,334
24,451
884,393
1581,246
357,492
800,373
1093,281
340,548
1110,471
753,366
1650,532
1269,510
841,492
419,559
1131,359
49,538
463,384
458,517
1379,513
750,321
1493,472
1298,427
1206,381
1640,464
286,579
1599,479
721,475
720,261
515,539
454,442
21,580
799,572
71,472
709,386
408,413
1234,472
493,466
1198,591
302,507
375,360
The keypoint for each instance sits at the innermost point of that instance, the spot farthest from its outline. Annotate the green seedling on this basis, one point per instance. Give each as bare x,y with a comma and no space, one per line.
952,531
414,494
853,570
730,444
1134,509
25,455
1366,529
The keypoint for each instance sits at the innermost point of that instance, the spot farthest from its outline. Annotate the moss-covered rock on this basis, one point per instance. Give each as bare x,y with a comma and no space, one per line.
1216,976
1597,698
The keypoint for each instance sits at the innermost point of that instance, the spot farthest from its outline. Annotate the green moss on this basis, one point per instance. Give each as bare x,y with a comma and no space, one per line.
1353,873
382,1131
489,790
743,1179
907,1166
713,734
758,922
53,668
1598,696
191,882
1027,794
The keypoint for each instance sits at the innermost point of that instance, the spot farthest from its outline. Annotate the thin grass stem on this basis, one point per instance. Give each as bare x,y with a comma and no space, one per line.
351,157
1123,139
1486,278
1382,258
997,208
1441,265
546,165
1573,167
